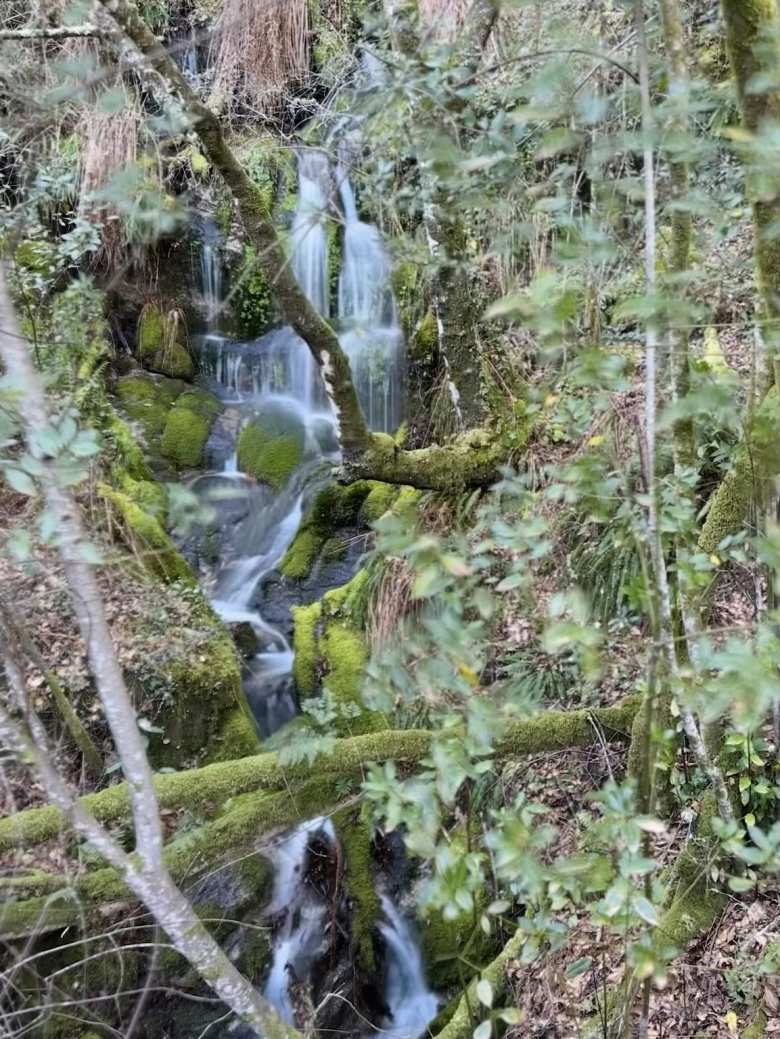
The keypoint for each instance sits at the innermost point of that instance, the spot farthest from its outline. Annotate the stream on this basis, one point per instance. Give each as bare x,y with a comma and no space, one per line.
276,373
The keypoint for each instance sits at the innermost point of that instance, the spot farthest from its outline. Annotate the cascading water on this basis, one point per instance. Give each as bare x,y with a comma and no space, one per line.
411,1004
211,272
371,338
300,937
280,361
257,525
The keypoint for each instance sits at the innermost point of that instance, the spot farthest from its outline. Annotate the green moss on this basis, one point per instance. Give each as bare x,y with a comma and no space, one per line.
270,447
144,534
150,495
425,340
253,306
300,556
162,342
755,463
344,655
377,502
334,508
355,834
350,600
128,454
452,948
334,549
147,400
207,693
237,738
187,428
463,1020
306,620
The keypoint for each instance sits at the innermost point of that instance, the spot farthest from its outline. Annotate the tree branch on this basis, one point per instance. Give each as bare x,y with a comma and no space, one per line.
59,32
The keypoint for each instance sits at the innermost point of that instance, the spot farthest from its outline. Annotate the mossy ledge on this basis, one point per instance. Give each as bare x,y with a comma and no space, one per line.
355,835
334,508
208,787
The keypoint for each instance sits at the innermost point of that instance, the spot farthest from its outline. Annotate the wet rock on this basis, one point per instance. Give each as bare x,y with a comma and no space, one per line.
245,638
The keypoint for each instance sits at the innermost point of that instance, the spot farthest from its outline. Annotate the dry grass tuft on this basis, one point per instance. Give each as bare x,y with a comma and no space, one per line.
390,603
110,145
444,16
262,48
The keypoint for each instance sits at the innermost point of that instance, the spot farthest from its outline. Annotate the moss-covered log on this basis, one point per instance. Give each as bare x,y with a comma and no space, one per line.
462,1022
248,817
205,789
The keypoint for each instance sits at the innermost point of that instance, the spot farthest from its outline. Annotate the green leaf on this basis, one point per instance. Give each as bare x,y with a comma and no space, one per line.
484,1030
485,992
19,481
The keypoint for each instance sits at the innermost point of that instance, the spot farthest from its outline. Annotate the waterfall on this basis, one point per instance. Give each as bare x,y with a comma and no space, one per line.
411,1004
371,338
309,234
301,936
211,271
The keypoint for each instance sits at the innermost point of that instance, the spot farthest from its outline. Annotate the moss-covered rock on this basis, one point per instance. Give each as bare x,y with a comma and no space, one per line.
378,501
237,738
144,535
271,445
187,428
330,652
333,509
147,400
355,833
162,342
306,620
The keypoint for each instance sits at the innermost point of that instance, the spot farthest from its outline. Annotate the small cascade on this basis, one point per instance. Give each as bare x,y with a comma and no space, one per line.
371,338
411,1004
309,234
299,940
211,272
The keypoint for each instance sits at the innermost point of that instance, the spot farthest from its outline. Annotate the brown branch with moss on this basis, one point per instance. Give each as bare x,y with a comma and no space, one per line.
207,788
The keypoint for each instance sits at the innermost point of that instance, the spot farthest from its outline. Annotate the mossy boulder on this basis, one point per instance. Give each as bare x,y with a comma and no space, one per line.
335,508
187,428
162,341
271,446
331,653
147,400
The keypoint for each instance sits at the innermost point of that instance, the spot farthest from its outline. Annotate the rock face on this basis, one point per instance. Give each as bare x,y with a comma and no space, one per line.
162,342
271,445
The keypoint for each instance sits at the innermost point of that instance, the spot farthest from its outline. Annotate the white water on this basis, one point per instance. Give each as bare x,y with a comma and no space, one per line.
280,362
301,936
211,272
411,1003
